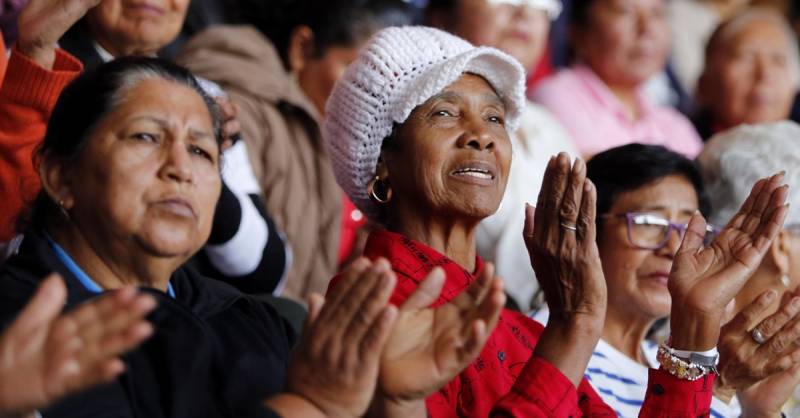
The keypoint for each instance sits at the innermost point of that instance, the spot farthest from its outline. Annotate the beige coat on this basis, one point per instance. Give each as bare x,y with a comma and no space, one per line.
282,131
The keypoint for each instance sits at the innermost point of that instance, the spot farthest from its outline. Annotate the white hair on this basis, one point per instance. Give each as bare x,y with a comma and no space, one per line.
130,79
734,160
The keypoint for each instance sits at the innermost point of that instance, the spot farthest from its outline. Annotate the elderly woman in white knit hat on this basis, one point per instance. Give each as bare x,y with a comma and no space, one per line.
418,131
730,161
519,28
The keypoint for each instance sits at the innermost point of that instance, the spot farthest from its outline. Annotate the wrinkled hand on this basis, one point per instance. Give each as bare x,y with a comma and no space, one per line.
566,262
560,236
335,366
43,22
755,368
44,356
704,279
765,398
229,114
743,362
428,347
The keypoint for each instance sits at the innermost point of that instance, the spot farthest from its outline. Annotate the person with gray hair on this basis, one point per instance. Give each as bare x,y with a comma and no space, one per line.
418,133
751,72
730,162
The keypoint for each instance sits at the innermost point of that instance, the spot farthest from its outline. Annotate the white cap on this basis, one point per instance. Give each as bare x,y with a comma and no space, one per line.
399,69
552,7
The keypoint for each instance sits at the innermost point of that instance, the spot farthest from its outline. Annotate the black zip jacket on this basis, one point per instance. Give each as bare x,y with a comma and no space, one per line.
215,352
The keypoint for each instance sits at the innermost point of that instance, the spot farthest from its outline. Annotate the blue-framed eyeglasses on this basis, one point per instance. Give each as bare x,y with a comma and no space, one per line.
649,231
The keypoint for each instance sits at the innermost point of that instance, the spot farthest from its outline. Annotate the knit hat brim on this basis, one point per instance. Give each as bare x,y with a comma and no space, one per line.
500,70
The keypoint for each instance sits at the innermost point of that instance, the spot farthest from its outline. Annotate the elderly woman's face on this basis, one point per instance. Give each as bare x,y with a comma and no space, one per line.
625,41
452,155
149,176
144,26
520,31
749,77
637,278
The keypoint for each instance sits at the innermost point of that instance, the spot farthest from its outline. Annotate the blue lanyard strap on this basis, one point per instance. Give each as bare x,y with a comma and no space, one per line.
82,277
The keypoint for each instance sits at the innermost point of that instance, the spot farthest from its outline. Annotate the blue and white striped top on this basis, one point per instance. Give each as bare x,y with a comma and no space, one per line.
622,382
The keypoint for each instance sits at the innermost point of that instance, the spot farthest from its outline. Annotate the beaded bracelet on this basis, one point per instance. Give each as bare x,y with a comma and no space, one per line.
679,367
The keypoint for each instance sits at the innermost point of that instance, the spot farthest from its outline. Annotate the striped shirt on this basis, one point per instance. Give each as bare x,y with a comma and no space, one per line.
622,382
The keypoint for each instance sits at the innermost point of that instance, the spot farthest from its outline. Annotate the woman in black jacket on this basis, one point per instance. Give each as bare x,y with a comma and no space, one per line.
130,178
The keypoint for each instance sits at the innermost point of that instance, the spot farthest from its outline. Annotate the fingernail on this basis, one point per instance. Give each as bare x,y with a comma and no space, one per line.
796,303
380,266
770,295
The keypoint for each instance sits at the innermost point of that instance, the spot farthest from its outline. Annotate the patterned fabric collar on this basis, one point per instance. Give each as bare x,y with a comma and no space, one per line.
412,260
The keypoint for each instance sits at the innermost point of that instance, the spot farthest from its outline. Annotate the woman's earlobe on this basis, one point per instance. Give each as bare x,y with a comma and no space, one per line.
381,170
54,183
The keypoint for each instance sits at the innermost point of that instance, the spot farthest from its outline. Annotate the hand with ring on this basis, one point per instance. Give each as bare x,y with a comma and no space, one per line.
560,236
704,279
744,361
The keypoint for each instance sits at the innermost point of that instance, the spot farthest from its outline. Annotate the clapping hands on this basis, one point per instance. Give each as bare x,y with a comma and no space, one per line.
45,356
358,349
705,279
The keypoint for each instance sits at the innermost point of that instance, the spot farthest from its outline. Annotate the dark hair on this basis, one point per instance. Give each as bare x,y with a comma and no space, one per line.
579,13
87,100
632,166
334,22
440,8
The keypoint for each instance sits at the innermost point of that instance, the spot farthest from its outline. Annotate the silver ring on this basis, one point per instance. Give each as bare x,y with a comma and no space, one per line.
572,228
758,337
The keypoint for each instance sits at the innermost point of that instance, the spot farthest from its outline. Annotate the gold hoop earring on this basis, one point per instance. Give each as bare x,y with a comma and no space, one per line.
373,187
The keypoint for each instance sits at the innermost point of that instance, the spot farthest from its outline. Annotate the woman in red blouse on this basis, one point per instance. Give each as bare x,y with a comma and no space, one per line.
418,133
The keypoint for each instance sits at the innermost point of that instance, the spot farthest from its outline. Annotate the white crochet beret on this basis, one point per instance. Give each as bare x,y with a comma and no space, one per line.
399,69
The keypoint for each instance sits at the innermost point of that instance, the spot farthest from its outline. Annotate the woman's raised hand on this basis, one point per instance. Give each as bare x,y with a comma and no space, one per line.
743,360
766,398
335,366
560,236
43,22
358,334
758,371
45,356
705,279
430,346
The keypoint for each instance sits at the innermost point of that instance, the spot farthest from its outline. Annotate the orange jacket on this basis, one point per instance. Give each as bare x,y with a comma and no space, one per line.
27,97
3,60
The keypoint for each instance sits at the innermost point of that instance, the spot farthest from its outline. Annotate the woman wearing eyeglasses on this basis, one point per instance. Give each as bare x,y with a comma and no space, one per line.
646,195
